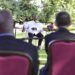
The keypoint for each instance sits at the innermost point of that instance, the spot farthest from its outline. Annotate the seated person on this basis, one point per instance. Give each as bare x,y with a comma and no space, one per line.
50,26
8,42
34,29
62,22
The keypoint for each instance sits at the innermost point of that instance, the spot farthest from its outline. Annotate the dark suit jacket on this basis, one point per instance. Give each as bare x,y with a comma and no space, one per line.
61,33
9,43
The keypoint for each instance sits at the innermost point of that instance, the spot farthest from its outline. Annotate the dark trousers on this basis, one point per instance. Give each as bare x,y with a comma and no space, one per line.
39,35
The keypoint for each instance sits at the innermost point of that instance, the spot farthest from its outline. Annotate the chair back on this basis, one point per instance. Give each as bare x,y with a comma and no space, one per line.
63,57
15,63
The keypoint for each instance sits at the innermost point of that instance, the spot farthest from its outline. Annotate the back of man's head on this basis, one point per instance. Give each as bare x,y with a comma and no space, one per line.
6,22
63,19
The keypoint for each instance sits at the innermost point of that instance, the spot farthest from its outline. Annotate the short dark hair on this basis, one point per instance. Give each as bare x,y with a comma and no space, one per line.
63,19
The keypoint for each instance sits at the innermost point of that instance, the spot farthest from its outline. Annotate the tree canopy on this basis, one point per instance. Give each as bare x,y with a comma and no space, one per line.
25,8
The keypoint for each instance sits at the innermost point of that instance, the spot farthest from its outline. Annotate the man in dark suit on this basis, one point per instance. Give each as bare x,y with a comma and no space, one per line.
62,22
9,43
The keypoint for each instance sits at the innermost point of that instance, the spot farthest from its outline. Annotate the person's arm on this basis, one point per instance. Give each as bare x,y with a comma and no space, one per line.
41,27
25,27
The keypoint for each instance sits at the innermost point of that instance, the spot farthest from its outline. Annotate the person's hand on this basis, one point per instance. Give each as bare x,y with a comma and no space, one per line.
34,28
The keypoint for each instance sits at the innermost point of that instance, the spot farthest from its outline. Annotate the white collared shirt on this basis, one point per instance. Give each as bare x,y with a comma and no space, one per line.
33,27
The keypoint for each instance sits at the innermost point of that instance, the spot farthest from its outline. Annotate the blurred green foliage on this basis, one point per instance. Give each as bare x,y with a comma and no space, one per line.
24,8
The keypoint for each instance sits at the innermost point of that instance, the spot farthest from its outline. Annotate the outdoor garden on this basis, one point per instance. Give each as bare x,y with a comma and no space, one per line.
46,11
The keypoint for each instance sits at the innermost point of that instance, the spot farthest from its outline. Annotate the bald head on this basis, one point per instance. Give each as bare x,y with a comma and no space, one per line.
6,22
